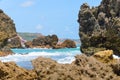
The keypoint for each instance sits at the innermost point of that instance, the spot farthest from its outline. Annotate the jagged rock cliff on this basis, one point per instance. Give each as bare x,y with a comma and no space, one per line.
7,31
100,27
7,28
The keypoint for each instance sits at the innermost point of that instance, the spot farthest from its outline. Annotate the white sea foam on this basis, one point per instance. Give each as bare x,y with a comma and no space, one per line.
24,56
66,60
116,57
67,57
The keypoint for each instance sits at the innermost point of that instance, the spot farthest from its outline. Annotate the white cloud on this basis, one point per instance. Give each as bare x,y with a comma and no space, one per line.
39,27
27,3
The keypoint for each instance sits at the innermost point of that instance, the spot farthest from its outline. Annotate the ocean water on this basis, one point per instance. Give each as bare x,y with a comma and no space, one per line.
23,57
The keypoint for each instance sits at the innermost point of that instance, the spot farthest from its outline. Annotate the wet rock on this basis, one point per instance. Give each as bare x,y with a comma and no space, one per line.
100,27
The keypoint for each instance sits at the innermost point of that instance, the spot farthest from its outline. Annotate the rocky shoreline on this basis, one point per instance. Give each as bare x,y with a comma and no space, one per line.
9,38
99,32
50,41
83,68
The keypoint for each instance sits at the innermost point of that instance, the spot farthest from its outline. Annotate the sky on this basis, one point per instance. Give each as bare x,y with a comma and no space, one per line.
46,16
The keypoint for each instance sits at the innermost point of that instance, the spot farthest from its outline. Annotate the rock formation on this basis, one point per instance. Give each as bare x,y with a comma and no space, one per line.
28,44
100,27
10,71
83,68
65,44
14,42
69,44
49,42
7,31
7,28
43,42
105,56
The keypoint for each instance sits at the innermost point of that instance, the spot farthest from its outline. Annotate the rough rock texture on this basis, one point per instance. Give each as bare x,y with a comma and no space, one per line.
28,44
7,31
49,42
45,41
83,68
116,67
100,27
66,44
69,44
10,71
5,51
7,28
105,56
14,42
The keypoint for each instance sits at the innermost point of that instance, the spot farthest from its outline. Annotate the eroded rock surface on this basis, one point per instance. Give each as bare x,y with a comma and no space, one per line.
105,56
14,42
65,44
100,27
10,71
7,31
50,42
83,68
43,42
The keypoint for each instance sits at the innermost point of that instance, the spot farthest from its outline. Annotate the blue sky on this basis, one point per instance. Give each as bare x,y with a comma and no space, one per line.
46,16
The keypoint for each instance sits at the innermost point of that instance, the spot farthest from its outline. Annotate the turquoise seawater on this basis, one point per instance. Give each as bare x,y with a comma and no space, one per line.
23,57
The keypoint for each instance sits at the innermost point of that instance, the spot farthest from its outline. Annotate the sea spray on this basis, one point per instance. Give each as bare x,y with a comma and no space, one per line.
23,57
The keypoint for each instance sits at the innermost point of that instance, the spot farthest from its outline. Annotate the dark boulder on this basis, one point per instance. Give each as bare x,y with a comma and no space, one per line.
28,44
14,42
68,44
65,44
43,42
